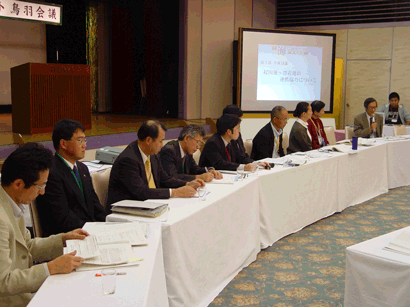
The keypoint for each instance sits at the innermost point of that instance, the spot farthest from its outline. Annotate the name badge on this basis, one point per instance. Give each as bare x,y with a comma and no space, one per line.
321,140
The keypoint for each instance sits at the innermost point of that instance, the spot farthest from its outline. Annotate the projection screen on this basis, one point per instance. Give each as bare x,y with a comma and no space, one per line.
284,68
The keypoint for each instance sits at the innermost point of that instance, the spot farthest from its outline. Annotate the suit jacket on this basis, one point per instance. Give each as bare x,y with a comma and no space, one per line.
240,147
361,125
128,179
19,278
299,139
63,207
264,142
214,154
171,162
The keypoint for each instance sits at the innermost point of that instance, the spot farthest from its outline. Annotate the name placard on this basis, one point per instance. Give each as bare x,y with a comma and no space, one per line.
32,11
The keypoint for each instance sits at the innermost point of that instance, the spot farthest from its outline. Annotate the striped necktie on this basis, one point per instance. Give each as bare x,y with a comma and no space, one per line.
148,172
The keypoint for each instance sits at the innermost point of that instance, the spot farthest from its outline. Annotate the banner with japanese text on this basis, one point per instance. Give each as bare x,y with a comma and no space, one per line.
32,11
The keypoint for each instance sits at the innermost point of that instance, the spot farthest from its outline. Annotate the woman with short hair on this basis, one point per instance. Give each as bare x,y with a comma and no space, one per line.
315,125
300,138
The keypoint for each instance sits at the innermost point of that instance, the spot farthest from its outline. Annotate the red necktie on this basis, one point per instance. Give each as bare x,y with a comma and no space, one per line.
227,152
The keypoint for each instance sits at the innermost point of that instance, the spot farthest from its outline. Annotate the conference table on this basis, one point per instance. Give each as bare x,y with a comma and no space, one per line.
206,243
142,285
377,277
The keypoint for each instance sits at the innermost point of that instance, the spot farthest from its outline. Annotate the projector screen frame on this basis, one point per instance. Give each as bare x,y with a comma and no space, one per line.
240,62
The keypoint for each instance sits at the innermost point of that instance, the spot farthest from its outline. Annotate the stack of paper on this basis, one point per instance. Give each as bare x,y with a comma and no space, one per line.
109,244
401,244
139,208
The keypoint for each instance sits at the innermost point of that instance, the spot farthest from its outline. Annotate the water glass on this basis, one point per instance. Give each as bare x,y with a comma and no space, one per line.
108,278
202,191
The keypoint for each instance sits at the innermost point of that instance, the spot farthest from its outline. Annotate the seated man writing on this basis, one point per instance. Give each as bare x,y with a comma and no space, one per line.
177,160
218,151
137,173
23,177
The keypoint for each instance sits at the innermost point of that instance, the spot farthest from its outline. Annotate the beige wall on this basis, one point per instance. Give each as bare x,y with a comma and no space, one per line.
207,35
376,62
20,42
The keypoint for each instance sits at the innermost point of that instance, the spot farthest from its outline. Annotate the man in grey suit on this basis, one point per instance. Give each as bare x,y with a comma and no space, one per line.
23,177
368,124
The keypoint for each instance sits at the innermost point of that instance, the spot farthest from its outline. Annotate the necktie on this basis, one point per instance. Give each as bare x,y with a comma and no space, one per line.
148,172
183,164
227,152
77,175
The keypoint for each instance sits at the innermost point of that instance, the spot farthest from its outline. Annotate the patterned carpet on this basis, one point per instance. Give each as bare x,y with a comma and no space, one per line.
308,268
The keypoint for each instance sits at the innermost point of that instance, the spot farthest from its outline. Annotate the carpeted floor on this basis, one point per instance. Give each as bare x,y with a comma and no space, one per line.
308,268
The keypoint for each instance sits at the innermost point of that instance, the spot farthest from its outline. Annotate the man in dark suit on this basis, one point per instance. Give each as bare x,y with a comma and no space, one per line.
268,142
69,200
137,173
368,124
177,160
218,151
238,143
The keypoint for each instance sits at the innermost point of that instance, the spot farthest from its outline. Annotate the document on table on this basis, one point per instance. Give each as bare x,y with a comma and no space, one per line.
87,248
107,233
112,254
401,244
227,179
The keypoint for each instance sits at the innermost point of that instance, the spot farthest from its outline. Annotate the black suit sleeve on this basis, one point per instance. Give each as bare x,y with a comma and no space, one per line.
214,157
169,164
165,180
129,173
260,147
54,205
194,169
92,198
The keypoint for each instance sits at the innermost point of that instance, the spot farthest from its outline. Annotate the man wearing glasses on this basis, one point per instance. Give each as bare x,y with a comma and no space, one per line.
268,142
69,200
177,160
368,124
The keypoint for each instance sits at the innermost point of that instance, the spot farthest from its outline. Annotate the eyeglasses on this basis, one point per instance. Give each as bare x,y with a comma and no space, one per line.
82,141
199,142
40,187
372,108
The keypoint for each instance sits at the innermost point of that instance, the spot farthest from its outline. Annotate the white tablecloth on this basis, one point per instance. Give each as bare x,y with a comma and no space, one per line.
143,285
398,163
292,198
375,277
207,243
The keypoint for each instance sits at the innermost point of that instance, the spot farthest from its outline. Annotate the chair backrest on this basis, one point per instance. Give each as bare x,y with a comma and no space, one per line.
400,130
35,220
100,182
330,134
248,146
348,132
196,156
285,142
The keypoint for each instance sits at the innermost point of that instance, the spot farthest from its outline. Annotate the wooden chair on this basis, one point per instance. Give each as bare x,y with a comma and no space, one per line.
196,156
35,220
330,134
399,130
348,132
248,146
285,142
100,182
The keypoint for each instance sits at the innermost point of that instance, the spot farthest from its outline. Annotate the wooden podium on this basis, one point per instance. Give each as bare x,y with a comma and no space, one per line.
43,94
